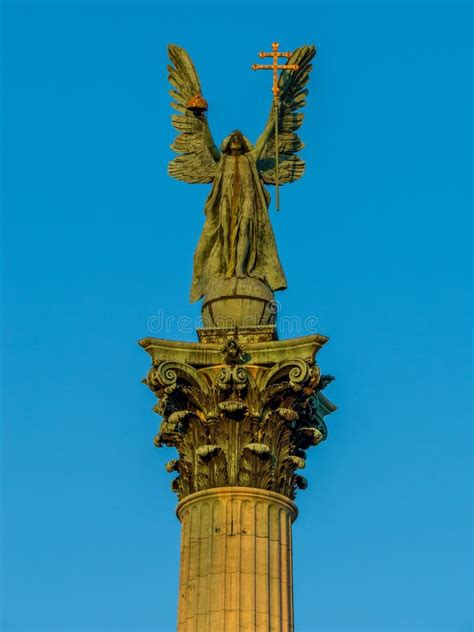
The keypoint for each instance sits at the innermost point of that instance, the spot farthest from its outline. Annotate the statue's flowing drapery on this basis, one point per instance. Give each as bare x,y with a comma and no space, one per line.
237,240
237,196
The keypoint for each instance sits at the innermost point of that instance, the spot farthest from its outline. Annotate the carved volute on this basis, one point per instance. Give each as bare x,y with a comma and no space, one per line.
238,422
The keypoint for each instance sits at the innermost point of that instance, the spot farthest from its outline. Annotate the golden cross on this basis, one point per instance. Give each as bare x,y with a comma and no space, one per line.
275,66
276,102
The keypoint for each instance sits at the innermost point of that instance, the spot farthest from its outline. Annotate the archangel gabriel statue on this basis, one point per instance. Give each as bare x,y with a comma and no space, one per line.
236,263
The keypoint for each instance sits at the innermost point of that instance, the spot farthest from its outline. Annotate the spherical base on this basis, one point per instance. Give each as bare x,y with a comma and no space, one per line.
236,302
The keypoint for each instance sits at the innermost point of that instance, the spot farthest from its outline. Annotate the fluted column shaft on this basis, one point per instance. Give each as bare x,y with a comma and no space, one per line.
236,561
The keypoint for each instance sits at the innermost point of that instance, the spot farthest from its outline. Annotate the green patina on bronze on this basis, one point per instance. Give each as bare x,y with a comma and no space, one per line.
236,256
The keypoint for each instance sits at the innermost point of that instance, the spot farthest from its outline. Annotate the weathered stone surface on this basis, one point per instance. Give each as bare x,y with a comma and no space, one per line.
259,345
236,561
239,414
257,333
238,302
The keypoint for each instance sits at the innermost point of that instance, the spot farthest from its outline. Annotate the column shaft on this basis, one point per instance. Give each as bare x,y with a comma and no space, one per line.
236,561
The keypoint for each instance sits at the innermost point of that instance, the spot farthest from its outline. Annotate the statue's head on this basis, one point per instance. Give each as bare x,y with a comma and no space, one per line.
236,144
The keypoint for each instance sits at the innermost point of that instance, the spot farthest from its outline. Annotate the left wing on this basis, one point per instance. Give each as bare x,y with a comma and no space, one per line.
292,98
197,153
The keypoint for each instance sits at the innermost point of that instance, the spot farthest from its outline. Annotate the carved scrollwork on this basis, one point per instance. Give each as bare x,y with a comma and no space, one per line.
297,372
233,377
166,375
238,424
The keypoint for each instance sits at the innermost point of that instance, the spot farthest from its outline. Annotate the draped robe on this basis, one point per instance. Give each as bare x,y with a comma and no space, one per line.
236,209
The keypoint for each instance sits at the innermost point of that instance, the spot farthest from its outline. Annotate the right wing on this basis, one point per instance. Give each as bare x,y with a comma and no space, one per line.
197,153
293,92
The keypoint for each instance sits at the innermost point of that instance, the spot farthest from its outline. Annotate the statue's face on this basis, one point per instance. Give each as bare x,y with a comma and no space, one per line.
236,145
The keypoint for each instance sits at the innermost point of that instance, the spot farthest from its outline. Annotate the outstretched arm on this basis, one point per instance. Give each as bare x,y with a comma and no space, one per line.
210,144
264,136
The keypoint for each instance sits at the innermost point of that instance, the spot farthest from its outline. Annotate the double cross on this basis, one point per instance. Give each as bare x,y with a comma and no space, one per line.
275,66
276,101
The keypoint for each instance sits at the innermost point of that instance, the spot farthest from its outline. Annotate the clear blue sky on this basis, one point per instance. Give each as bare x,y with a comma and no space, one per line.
97,240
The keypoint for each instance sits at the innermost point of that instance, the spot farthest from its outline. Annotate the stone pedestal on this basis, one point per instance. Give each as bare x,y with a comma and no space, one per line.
241,408
236,561
246,302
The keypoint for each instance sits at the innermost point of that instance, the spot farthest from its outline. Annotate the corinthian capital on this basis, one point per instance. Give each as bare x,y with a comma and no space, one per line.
238,414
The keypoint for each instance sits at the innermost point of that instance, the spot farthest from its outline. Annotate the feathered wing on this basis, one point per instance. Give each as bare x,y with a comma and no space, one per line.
292,98
197,154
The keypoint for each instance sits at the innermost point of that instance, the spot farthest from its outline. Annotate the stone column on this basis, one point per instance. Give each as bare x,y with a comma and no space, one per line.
241,408
236,561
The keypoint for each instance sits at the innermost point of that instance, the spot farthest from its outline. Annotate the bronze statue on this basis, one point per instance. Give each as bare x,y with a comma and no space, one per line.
237,241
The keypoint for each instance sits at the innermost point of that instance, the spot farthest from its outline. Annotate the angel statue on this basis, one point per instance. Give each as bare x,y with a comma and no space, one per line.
236,255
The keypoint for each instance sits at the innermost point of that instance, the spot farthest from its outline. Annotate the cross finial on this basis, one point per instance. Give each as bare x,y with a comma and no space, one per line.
275,66
276,100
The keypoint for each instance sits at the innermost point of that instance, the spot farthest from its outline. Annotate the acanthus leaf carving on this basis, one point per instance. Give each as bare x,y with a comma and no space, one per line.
239,424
